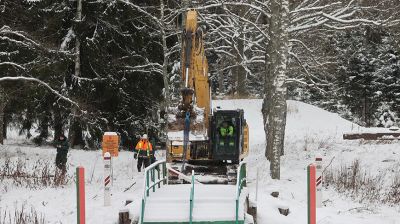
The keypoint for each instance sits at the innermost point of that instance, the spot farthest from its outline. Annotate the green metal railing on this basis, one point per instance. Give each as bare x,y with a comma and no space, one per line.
159,167
240,183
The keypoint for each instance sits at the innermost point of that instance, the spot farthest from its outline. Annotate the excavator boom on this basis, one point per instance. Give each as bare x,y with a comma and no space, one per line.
196,90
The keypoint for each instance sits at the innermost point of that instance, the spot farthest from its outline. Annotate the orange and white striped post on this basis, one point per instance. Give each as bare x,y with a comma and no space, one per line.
318,163
311,194
80,189
107,179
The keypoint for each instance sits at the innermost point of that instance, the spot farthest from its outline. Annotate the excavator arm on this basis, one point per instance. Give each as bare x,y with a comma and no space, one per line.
196,90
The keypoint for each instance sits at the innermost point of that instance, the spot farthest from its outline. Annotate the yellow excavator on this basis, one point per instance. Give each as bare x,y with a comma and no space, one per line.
209,141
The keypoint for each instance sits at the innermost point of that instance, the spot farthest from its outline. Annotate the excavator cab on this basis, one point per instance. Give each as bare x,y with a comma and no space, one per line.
228,129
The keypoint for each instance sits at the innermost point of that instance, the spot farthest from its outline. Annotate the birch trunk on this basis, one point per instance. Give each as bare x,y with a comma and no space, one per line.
274,104
240,71
165,62
167,94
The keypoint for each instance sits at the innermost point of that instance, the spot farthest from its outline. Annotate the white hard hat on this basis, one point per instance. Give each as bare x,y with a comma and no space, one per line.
144,136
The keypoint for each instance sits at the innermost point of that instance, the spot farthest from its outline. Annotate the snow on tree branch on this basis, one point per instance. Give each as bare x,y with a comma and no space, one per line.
40,82
12,64
224,3
340,20
141,10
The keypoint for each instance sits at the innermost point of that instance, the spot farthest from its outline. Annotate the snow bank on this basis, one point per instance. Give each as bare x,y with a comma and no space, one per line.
312,131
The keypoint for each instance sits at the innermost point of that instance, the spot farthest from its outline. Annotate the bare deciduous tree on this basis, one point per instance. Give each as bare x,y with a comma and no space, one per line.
282,40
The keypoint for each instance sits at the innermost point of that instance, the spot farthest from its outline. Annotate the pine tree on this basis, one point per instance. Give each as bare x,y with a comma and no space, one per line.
368,73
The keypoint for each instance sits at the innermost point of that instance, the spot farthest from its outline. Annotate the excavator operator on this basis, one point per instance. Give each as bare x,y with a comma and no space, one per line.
226,134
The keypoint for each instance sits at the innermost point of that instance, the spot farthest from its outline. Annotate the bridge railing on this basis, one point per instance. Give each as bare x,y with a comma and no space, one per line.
155,175
159,169
240,183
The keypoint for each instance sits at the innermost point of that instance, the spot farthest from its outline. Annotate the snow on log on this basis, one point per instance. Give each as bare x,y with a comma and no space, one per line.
123,217
374,134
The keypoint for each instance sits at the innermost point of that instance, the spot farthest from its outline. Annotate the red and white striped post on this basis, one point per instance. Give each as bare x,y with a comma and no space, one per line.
318,162
107,179
311,194
80,189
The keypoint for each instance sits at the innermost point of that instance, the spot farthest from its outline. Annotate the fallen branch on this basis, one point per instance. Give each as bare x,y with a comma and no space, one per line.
25,176
126,189
358,209
328,165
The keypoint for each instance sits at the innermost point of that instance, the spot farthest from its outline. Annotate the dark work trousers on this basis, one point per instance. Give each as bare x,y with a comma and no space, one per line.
153,159
143,160
61,160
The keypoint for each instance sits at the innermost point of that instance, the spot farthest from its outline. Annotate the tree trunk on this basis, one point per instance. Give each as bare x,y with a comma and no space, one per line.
235,71
167,94
77,42
72,133
274,105
364,110
3,126
43,128
240,71
73,129
220,76
165,62
5,123
75,136
241,89
58,125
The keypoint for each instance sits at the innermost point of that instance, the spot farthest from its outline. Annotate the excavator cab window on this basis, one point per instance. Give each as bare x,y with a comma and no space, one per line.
226,129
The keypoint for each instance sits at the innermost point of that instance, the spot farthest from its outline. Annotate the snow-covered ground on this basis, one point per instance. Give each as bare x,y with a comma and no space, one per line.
310,131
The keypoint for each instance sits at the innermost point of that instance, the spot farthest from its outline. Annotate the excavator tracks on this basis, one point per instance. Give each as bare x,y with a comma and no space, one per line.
216,174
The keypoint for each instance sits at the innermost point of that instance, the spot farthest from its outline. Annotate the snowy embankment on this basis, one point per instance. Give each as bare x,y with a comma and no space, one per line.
310,131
